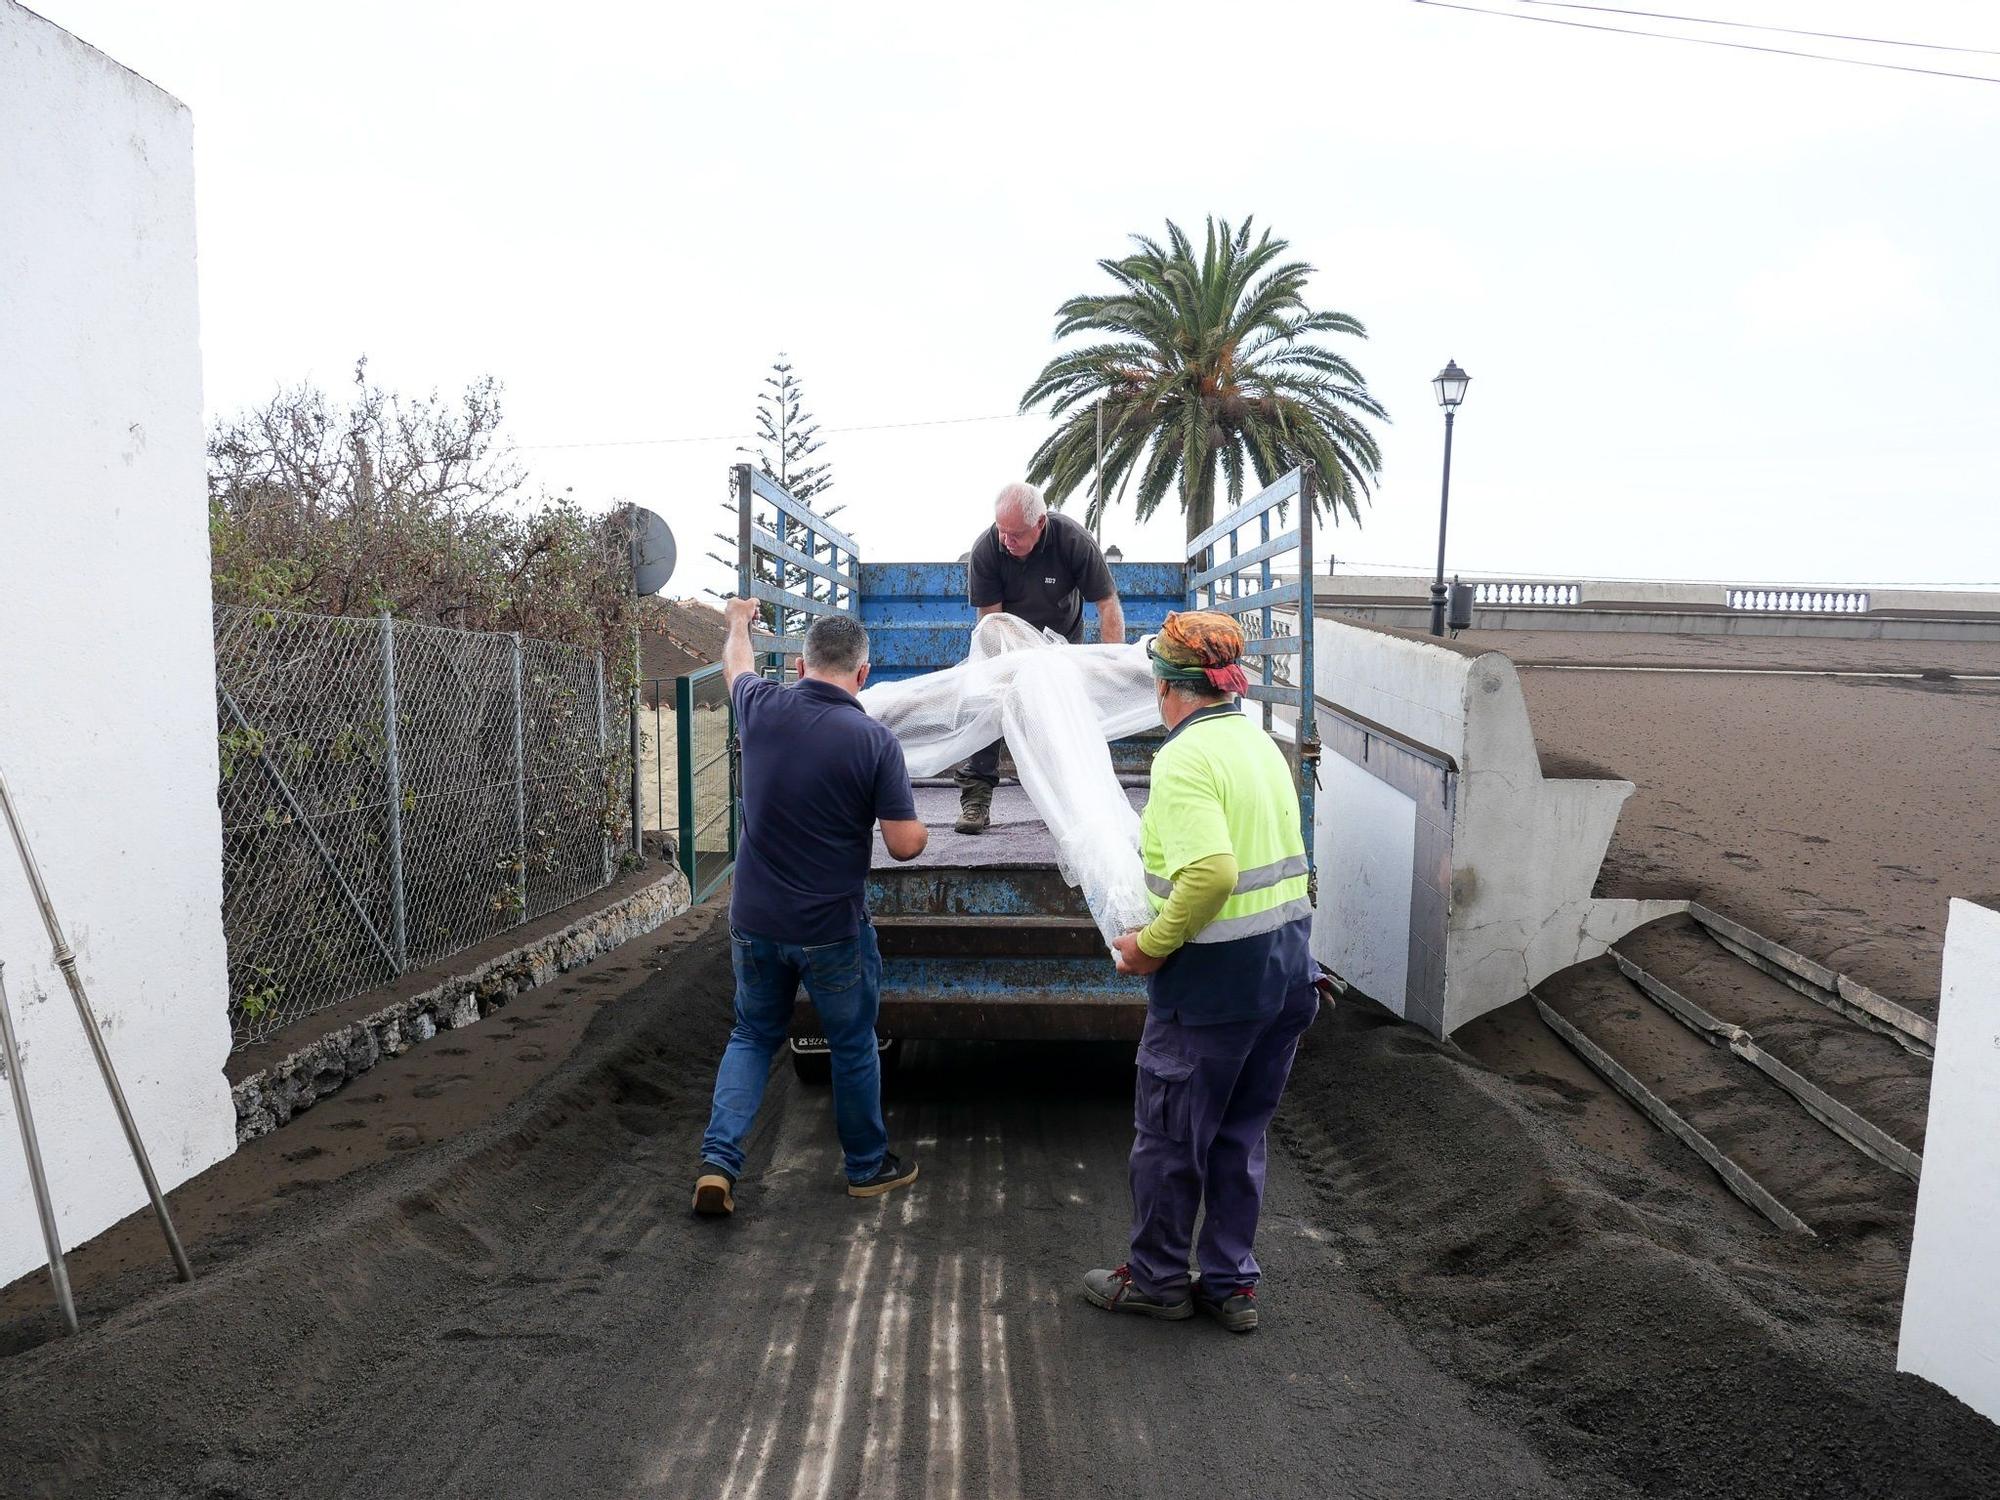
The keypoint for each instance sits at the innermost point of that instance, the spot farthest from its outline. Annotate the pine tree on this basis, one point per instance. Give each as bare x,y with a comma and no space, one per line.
791,433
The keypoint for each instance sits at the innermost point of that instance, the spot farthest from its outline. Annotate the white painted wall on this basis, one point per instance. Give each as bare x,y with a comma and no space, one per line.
1364,840
1412,687
1951,1300
1525,850
107,686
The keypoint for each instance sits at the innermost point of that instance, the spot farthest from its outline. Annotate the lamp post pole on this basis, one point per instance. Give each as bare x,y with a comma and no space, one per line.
1444,512
1450,384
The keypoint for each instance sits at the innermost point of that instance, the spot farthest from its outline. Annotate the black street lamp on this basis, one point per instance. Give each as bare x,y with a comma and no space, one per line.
1450,382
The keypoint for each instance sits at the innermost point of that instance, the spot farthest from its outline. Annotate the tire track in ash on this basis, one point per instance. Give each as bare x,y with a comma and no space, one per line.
945,1354
932,1343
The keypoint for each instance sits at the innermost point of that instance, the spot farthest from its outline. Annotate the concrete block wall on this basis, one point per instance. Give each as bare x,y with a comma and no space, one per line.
107,675
1452,875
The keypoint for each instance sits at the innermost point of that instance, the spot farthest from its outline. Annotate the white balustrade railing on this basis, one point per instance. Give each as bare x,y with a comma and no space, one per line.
1800,601
1527,593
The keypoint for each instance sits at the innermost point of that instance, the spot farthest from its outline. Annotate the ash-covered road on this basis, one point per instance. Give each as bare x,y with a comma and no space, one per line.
1464,1297
534,1312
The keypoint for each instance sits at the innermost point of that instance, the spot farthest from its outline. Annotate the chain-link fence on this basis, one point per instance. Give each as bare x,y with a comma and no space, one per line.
392,793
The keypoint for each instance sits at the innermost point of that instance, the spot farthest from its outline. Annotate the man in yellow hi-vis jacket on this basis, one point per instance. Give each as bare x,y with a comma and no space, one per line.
1231,984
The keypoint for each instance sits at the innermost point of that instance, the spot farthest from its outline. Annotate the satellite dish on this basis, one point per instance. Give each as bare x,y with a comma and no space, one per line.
653,552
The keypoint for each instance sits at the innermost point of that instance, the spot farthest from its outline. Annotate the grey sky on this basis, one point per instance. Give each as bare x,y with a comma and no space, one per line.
1726,315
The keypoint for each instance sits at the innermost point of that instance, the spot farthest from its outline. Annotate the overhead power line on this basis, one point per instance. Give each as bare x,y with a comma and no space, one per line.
728,437
1706,41
1829,36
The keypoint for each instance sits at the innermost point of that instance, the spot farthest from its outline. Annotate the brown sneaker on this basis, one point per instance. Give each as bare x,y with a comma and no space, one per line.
712,1195
975,808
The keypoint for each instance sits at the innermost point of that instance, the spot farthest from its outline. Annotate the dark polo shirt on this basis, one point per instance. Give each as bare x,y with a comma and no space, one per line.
817,773
1048,587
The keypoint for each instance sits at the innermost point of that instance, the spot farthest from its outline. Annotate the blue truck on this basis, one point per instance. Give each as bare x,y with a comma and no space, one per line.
981,937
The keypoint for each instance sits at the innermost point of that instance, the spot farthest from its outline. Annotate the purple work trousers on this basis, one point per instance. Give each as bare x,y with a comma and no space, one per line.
1204,1098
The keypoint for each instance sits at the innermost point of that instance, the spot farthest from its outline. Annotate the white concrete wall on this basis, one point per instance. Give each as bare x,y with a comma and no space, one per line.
1364,844
1525,851
1951,1300
107,691
1412,687
1525,855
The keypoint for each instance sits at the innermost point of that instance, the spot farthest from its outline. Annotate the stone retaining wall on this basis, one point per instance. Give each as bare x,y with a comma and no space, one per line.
270,1097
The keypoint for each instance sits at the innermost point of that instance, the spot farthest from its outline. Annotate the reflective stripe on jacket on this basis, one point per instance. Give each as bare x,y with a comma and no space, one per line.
1220,784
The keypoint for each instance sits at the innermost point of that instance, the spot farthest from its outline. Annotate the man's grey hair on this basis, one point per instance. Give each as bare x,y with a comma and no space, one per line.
836,644
1025,499
1197,692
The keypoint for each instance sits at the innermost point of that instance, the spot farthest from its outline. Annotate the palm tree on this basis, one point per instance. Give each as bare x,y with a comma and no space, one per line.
1211,363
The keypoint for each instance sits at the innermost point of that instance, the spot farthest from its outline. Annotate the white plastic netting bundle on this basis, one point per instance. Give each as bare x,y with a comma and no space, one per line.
1058,707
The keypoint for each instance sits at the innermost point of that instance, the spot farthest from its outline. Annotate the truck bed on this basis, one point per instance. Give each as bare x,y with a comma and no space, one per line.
982,939
1018,836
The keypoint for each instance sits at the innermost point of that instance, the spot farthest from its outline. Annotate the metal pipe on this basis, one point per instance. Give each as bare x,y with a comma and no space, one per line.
399,932
1308,721
603,745
520,787
1444,509
24,1117
1097,525
66,961
632,553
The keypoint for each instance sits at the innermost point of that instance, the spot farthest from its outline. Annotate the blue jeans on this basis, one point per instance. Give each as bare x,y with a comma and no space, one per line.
844,981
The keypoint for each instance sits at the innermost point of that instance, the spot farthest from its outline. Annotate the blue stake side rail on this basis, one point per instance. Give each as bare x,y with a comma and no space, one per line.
792,559
972,950
1277,618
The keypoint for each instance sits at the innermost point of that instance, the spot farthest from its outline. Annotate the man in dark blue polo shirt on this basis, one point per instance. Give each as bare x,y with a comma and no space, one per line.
818,774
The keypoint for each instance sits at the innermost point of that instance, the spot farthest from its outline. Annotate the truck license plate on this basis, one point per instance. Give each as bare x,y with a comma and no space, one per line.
818,1044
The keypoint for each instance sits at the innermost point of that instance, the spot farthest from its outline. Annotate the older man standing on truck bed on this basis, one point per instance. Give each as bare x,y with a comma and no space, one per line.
817,775
1232,984
1041,567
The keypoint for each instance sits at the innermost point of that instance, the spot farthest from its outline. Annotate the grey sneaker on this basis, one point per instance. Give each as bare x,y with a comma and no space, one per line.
1237,1312
892,1174
975,808
1113,1291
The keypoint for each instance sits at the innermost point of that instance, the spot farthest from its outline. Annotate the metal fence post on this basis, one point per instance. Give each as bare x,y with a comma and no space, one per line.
659,762
1308,730
399,923
520,784
603,744
632,547
684,753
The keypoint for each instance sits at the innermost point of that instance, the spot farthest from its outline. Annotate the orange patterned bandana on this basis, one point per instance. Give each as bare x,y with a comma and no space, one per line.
1201,646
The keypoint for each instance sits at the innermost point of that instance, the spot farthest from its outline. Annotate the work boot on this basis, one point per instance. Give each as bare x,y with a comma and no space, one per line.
1237,1312
975,807
1113,1291
712,1192
893,1173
